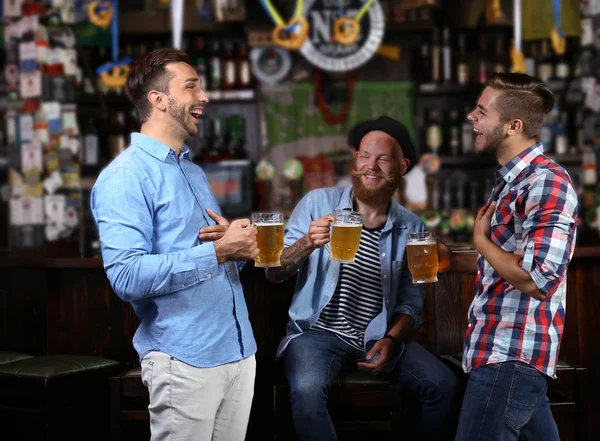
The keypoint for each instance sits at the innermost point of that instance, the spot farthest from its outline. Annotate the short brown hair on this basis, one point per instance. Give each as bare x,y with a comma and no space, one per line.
523,97
150,73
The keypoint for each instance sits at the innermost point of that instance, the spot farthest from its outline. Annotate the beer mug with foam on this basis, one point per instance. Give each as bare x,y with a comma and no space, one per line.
345,235
269,238
421,249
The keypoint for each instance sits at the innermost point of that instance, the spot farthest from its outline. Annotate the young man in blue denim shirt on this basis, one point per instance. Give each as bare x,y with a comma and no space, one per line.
195,341
349,316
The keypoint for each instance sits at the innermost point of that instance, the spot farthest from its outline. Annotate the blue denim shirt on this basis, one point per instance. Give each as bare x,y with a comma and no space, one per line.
149,205
318,275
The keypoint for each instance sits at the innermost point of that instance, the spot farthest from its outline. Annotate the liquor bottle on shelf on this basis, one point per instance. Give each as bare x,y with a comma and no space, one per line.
483,62
219,141
116,139
242,67
588,49
215,66
203,139
530,58
546,135
468,136
422,71
91,145
562,66
590,168
447,56
561,139
453,134
433,132
229,68
236,131
463,67
436,58
545,65
500,60
200,61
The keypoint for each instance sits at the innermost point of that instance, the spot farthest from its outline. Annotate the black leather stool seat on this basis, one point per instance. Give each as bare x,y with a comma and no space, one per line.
9,357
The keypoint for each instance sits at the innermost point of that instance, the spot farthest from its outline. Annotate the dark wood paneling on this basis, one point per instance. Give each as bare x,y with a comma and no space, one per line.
52,308
23,310
86,317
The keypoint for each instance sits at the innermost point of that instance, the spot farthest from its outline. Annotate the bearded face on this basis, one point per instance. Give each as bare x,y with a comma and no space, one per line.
374,187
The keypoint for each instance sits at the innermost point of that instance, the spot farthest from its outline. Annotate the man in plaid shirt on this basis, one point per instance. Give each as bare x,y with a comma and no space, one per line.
525,236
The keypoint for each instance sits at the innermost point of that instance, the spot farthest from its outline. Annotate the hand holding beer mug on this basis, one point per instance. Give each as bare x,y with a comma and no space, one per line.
422,257
345,235
269,238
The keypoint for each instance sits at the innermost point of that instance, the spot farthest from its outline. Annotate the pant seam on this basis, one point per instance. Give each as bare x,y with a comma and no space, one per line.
170,396
487,404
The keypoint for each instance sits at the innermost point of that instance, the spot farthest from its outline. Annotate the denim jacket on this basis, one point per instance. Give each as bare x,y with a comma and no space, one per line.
318,276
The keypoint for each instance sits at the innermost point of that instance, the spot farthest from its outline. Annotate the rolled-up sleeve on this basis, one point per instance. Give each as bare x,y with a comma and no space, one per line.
121,203
299,222
410,297
549,228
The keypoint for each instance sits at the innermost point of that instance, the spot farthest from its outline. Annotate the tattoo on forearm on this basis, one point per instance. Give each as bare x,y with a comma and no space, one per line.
291,260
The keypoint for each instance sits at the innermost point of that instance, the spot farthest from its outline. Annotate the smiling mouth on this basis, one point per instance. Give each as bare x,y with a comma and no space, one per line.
196,114
478,133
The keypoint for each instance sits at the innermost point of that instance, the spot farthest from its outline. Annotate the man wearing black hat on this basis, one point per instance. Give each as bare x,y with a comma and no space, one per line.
357,316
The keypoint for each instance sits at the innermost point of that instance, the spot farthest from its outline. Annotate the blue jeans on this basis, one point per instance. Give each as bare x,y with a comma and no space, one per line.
504,401
315,358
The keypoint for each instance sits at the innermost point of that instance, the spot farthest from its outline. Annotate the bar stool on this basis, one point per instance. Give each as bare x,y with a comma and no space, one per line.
54,397
9,357
129,406
358,403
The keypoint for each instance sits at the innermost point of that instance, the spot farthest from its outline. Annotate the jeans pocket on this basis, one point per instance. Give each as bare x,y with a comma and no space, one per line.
527,386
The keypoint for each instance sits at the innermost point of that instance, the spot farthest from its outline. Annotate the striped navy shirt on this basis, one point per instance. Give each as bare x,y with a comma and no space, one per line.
358,297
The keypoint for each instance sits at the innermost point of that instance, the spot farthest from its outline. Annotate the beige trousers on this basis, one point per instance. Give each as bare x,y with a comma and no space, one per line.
200,404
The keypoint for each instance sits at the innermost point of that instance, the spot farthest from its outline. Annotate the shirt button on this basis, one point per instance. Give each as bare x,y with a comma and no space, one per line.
385,276
478,272
387,301
183,286
209,275
470,325
382,254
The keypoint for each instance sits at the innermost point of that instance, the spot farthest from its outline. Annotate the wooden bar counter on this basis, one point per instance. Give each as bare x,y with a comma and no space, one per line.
52,306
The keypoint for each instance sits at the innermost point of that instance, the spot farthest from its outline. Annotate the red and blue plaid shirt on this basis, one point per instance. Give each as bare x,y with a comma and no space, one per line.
535,218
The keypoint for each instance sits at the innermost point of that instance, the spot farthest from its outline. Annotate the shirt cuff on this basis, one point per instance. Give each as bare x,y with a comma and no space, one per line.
546,283
205,259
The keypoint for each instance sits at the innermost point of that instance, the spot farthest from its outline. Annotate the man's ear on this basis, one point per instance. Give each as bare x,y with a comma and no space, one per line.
158,100
404,164
515,127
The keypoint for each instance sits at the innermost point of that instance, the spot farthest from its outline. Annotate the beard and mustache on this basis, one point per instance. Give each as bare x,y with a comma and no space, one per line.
494,139
180,116
377,195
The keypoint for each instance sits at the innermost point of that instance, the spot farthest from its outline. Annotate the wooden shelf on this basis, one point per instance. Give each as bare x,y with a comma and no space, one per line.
487,161
449,89
247,95
409,26
231,95
159,22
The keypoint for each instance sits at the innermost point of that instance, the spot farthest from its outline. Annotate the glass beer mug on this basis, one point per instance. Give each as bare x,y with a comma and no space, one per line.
269,238
421,249
345,235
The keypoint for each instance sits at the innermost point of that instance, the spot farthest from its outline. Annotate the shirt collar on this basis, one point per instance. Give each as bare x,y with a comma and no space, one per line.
156,148
394,214
515,166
